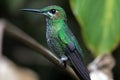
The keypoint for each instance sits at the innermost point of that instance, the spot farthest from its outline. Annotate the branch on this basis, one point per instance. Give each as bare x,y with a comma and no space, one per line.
26,39
2,26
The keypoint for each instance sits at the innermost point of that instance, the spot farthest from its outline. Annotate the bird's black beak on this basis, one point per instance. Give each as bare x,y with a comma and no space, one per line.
33,10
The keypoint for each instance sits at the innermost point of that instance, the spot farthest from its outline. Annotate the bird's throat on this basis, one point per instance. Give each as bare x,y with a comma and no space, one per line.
55,25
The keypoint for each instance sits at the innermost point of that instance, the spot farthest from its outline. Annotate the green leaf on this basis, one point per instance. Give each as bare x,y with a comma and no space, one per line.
100,23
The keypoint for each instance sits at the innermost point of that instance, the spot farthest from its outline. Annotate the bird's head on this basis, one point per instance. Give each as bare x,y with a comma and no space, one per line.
52,12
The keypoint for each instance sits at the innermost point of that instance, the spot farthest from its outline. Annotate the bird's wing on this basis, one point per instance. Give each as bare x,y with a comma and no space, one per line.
73,54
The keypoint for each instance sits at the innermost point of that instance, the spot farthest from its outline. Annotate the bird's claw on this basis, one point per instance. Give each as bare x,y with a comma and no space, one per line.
64,60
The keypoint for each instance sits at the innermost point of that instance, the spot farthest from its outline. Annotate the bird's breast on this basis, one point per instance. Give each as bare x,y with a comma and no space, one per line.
51,36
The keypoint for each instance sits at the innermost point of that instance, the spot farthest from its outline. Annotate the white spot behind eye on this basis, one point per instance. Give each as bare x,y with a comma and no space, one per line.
50,14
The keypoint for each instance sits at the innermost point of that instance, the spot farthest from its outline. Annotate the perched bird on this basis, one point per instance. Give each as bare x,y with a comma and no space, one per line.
61,40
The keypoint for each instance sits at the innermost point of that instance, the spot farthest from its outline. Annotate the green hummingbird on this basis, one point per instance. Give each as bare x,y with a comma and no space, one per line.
61,40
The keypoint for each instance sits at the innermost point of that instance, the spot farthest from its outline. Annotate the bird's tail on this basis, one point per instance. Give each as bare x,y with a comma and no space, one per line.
77,62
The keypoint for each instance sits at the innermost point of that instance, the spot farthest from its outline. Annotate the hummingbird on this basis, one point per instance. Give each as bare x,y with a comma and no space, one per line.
61,40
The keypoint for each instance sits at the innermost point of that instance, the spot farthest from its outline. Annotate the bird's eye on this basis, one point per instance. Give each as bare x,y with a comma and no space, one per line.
53,11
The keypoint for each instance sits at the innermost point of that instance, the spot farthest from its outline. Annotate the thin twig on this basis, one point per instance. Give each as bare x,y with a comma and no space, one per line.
26,39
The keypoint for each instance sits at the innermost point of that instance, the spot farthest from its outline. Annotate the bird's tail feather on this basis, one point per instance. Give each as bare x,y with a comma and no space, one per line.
79,65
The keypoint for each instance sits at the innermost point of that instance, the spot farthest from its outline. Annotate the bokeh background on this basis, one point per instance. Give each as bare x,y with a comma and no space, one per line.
35,25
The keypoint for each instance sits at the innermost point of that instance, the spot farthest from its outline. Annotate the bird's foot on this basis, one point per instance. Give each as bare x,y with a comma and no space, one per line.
64,60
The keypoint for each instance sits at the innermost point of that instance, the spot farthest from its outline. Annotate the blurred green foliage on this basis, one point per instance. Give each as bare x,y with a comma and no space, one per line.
99,20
